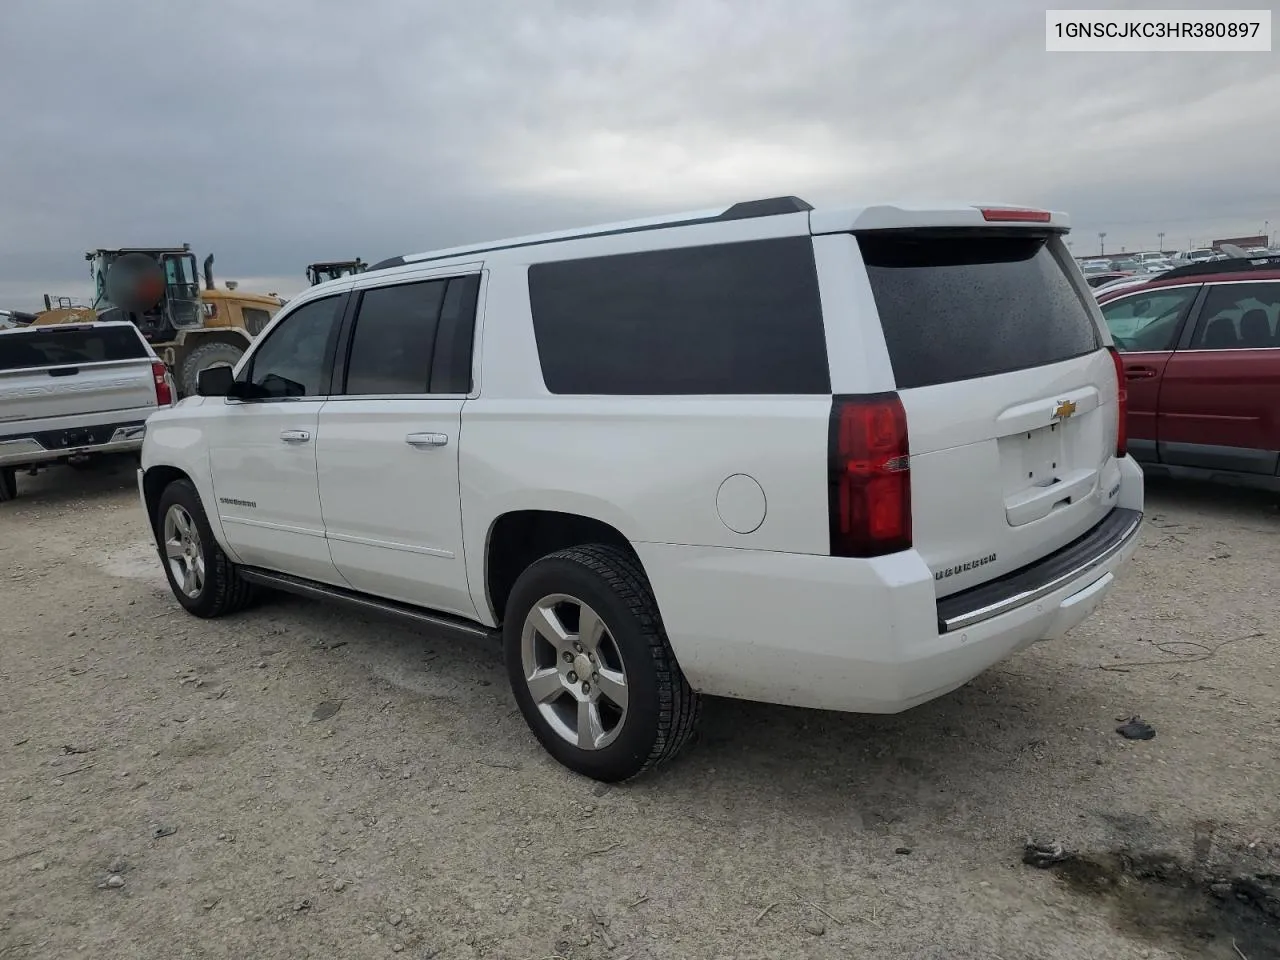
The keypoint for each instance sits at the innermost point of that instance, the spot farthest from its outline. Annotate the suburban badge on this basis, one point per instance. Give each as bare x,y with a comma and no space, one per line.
973,564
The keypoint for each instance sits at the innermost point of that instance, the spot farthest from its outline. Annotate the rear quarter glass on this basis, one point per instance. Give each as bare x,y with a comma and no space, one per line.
736,318
958,305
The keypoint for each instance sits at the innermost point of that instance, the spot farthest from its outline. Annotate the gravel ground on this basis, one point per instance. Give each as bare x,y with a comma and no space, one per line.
299,781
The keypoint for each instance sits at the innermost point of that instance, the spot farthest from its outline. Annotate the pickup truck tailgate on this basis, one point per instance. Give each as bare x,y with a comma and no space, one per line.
53,372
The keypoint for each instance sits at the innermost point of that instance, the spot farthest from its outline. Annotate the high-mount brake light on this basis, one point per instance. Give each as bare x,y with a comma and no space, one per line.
1011,215
869,476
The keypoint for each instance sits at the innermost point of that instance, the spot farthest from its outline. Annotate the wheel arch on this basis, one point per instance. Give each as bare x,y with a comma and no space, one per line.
155,479
518,538
154,482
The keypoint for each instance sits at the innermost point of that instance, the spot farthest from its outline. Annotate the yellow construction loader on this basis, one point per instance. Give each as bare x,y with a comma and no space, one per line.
324,270
156,289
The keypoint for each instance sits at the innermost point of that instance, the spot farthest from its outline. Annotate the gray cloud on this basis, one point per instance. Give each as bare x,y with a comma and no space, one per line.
273,134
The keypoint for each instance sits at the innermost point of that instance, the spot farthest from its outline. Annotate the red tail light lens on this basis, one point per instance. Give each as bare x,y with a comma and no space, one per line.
164,393
869,476
1122,405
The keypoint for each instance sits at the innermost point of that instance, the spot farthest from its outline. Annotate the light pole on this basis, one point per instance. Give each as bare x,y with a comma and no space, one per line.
1102,243
1161,236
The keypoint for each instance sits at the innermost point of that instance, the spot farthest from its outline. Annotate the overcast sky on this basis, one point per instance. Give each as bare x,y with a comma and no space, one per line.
276,132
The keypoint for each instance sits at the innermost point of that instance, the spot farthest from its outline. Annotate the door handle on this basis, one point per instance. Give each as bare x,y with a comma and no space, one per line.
295,436
426,439
1139,373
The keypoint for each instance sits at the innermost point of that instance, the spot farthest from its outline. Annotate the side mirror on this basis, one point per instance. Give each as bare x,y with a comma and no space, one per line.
215,382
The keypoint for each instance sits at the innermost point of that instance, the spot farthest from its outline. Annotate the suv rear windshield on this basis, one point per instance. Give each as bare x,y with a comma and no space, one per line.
52,347
955,306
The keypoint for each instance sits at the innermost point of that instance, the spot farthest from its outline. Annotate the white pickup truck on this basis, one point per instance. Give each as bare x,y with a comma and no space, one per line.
74,391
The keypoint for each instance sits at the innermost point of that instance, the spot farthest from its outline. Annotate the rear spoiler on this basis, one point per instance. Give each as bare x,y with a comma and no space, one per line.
899,217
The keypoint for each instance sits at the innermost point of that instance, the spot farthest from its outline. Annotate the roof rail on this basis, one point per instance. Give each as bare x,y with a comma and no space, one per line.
746,210
1236,265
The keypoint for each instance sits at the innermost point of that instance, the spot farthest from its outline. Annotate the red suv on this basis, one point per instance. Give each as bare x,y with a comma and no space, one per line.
1201,351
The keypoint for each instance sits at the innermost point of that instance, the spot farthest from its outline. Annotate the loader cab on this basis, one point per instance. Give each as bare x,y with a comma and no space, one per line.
155,288
334,270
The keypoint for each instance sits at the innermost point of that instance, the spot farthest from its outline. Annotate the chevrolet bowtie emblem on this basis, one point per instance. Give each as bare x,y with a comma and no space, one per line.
1065,409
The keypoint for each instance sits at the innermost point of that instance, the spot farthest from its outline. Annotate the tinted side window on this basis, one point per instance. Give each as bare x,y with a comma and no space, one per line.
741,318
956,305
295,359
1239,316
455,343
394,336
1149,320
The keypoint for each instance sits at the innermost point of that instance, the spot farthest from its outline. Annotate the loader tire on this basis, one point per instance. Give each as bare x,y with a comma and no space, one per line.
202,358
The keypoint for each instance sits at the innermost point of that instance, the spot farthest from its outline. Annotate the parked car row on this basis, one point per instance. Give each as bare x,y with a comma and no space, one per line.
1101,279
1150,262
1099,272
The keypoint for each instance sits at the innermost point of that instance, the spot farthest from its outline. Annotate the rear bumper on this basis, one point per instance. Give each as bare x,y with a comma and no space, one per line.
862,635
50,446
1071,564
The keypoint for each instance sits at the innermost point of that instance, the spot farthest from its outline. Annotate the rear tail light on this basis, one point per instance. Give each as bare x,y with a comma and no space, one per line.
1011,215
869,476
1122,405
164,389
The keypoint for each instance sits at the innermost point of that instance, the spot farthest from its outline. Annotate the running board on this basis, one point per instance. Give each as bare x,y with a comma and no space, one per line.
444,622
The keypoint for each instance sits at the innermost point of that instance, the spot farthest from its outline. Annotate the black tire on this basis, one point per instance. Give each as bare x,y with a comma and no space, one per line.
8,484
223,590
662,709
203,357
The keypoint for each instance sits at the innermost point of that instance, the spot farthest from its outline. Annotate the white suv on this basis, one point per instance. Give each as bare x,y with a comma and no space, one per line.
844,459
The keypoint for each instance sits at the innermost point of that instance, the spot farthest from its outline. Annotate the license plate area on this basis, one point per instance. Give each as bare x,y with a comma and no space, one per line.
1033,458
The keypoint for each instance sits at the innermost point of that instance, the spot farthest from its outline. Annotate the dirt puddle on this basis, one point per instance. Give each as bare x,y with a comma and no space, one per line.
1158,898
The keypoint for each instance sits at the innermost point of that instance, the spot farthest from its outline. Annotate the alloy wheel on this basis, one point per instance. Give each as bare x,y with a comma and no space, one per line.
182,550
574,671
